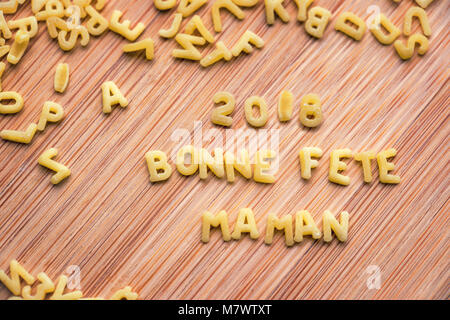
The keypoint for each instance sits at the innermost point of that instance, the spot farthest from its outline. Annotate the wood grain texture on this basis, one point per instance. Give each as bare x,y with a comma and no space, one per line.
120,229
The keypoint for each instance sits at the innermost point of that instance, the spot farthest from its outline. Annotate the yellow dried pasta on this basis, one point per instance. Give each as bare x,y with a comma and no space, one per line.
262,168
209,220
146,44
384,167
125,293
9,6
214,163
173,30
337,165
28,25
188,7
52,8
59,294
96,24
285,105
275,6
284,223
13,282
164,4
46,286
356,30
182,167
158,167
196,23
61,170
123,28
245,224
221,52
244,43
20,136
61,77
305,226
365,158
68,44
220,115
306,162
37,5
18,47
406,52
54,24
226,4
4,49
421,15
4,29
302,6
10,108
424,3
111,95
76,7
241,165
317,21
392,31
261,104
246,3
188,41
2,70
331,224
51,112
311,114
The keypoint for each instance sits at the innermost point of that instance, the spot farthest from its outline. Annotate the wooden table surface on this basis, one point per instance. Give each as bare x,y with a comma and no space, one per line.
119,229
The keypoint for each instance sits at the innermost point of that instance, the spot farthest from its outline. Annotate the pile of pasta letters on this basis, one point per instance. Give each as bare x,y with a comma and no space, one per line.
75,21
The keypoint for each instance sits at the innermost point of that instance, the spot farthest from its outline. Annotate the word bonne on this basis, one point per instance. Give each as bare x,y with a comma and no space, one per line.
294,231
221,164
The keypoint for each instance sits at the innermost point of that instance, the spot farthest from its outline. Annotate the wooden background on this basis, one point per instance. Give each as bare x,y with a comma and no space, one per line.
109,220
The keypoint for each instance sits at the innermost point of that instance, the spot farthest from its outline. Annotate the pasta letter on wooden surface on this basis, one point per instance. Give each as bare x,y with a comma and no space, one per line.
245,224
384,167
275,6
111,96
331,224
221,114
146,44
18,47
282,224
188,42
62,171
51,112
244,44
306,161
407,51
61,77
209,220
17,272
15,107
337,165
20,136
262,172
392,32
317,21
230,6
173,30
123,28
158,167
357,28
